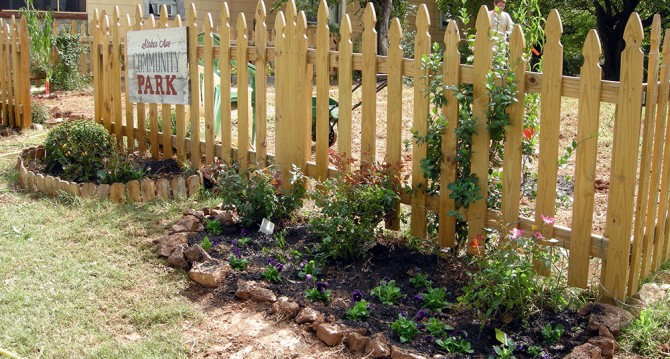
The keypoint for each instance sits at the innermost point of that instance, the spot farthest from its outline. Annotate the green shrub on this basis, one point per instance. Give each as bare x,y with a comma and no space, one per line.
77,150
352,205
118,169
66,70
39,112
256,192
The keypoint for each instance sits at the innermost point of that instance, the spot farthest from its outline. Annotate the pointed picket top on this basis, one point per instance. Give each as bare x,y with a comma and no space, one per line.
261,13
665,52
554,28
483,24
592,48
178,21
422,18
139,17
291,12
452,35
164,16
369,17
152,22
192,16
208,27
395,34
106,25
242,29
280,25
345,28
517,38
633,34
116,15
224,16
261,27
655,37
322,14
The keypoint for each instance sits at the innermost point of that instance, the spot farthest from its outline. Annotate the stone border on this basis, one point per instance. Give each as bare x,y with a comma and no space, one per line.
134,191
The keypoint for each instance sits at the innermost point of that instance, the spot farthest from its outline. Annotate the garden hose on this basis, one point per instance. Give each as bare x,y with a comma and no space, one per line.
4,353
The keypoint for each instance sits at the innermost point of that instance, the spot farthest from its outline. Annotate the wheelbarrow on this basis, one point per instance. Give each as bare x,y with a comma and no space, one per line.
332,120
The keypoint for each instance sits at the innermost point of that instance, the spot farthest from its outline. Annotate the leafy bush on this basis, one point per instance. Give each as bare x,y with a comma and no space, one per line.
256,192
505,282
39,112
352,205
77,150
66,70
387,292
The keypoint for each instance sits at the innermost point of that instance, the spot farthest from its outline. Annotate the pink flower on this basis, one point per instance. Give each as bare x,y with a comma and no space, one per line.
548,220
539,235
516,233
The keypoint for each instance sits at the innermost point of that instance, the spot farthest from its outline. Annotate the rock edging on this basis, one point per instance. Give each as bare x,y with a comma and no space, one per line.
133,191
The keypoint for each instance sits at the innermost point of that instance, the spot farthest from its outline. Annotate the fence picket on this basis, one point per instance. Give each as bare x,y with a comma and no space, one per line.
661,247
394,108
180,112
153,111
260,110
116,115
141,108
511,180
369,86
130,118
322,91
24,72
83,62
550,123
107,70
421,108
643,239
17,74
4,67
166,109
344,75
448,166
585,164
243,95
620,201
224,69
483,53
280,82
208,88
195,90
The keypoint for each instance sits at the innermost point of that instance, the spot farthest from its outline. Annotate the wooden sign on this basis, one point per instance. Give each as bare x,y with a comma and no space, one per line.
157,66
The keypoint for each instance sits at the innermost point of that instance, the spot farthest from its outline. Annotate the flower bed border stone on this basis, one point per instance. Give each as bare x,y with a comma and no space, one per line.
131,192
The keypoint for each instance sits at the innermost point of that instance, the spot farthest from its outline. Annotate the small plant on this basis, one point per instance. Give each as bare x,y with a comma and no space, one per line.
352,205
271,273
280,238
436,328
506,348
451,345
236,261
360,309
552,335
256,192
434,298
77,150
420,281
535,351
320,291
387,292
206,244
119,169
648,334
39,112
308,268
214,227
243,242
405,329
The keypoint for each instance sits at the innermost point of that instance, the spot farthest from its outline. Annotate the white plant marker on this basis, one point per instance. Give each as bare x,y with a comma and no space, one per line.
267,227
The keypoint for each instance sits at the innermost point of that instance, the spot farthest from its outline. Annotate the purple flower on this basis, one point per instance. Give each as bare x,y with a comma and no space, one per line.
386,280
404,314
279,266
270,261
357,296
244,232
419,297
420,315
308,278
236,252
234,242
303,264
321,286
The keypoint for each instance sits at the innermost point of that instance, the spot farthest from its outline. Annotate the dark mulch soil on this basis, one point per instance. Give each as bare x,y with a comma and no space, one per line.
394,261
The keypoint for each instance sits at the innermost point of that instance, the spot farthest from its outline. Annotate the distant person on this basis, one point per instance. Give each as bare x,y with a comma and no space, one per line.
501,22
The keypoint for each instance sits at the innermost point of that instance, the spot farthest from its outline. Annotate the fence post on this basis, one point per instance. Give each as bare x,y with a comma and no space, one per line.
394,108
195,90
224,69
23,67
260,39
476,215
620,201
369,86
4,67
344,79
243,95
322,92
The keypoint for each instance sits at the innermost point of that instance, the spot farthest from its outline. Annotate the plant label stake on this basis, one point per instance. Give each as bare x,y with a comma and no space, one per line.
267,227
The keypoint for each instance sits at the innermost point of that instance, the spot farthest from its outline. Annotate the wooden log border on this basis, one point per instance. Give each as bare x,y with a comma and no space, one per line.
177,188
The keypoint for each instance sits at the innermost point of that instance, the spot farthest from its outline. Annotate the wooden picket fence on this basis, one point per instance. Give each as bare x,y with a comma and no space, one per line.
635,241
15,108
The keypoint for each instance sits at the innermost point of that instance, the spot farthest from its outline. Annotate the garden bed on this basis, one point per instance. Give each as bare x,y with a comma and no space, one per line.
172,186
387,260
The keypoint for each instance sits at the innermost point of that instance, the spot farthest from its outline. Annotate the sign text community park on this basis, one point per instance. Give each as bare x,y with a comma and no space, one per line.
157,66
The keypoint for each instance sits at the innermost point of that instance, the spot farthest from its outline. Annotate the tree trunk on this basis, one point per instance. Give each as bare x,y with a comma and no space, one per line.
382,26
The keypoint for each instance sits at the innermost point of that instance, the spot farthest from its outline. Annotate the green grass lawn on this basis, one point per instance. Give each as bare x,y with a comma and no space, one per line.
79,279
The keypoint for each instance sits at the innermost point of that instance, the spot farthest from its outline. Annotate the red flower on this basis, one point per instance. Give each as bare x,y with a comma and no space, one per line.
528,132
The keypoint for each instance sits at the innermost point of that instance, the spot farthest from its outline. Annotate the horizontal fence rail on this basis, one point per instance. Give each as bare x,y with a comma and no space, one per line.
636,238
